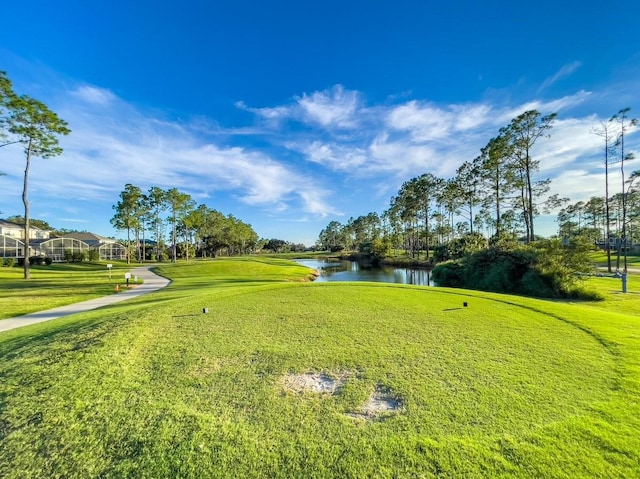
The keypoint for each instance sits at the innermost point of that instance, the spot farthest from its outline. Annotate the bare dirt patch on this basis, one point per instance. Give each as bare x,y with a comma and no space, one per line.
380,405
314,382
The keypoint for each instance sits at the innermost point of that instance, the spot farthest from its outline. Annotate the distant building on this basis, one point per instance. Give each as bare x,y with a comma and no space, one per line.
12,244
15,230
109,248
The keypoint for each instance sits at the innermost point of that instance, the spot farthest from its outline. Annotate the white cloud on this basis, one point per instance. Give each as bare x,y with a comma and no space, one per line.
331,108
423,122
94,95
565,71
335,156
544,107
119,145
276,113
428,123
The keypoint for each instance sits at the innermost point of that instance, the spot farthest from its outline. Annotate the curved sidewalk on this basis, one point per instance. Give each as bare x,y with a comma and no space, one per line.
152,282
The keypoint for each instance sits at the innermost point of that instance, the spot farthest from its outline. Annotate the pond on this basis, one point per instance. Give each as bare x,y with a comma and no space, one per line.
342,270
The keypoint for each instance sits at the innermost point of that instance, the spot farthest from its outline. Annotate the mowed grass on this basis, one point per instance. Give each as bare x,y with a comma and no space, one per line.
600,259
55,285
506,386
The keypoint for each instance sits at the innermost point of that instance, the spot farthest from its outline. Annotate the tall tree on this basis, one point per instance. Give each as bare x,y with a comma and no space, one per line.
624,123
467,181
193,223
36,128
609,148
179,204
496,181
157,201
524,131
126,215
332,237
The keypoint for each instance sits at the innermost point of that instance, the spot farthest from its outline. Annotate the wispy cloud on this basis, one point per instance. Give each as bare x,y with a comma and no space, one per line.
565,71
113,143
335,108
309,148
94,95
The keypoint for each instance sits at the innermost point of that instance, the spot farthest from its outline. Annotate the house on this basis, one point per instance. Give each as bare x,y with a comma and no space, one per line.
15,230
109,248
12,244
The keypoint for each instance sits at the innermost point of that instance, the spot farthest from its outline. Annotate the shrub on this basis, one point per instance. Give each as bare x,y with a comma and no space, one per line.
93,255
441,253
36,260
78,256
48,261
9,262
449,273
544,270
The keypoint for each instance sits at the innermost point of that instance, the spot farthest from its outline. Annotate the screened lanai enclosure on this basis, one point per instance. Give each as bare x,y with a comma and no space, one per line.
66,248
55,248
112,251
11,247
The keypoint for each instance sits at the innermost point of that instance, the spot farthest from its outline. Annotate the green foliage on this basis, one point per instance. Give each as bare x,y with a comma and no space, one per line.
93,255
467,244
380,248
48,261
36,260
441,253
30,123
74,256
545,269
9,262
449,273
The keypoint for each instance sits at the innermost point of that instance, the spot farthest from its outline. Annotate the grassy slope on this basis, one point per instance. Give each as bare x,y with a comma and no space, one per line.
154,388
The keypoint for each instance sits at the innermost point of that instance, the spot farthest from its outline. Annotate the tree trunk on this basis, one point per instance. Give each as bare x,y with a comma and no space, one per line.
174,247
25,201
128,243
497,188
144,242
529,200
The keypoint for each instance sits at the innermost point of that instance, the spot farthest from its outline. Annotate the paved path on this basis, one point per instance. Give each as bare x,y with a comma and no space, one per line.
152,282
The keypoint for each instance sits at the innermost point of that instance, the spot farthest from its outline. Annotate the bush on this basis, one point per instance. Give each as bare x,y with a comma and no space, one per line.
9,262
36,260
449,273
48,261
441,253
74,256
79,256
543,270
93,255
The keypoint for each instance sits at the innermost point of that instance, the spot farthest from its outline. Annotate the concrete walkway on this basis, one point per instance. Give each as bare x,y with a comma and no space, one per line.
152,282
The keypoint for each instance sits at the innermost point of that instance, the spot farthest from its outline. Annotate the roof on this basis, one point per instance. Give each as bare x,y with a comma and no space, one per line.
9,224
90,238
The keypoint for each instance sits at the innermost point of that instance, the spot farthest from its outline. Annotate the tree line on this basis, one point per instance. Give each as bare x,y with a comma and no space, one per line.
193,230
494,199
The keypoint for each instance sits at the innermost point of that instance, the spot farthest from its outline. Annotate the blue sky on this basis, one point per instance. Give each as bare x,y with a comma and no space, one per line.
290,114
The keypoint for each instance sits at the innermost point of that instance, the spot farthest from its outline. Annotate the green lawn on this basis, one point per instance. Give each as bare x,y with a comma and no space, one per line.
56,285
506,386
600,259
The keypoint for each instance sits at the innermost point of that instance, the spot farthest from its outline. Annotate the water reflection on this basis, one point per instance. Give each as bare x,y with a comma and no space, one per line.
331,270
